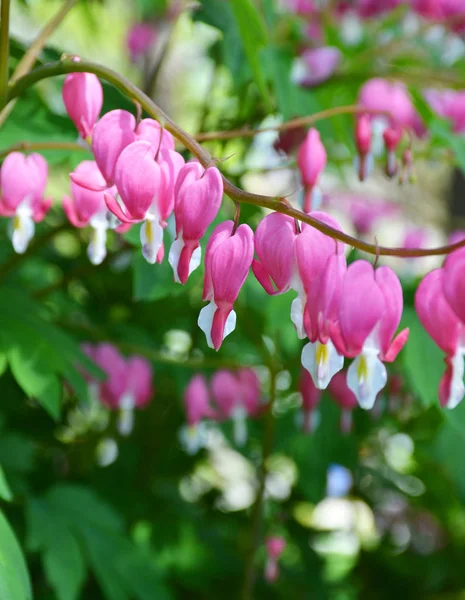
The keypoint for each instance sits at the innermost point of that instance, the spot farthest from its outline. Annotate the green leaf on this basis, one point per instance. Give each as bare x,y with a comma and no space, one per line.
422,359
254,37
14,578
5,492
62,558
152,282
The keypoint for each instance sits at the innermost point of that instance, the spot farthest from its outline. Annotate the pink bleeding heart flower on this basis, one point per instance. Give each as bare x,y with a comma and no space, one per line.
345,397
316,65
275,546
392,137
250,391
87,207
228,393
197,401
454,284
439,10
22,183
227,263
197,408
129,383
311,397
363,145
83,99
373,8
311,160
320,356
448,104
274,244
369,315
446,329
116,130
197,199
138,179
319,268
378,94
140,40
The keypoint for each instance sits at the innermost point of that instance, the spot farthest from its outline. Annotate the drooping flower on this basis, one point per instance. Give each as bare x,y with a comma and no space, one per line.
345,397
320,267
83,99
393,98
197,408
275,546
87,207
197,199
392,137
316,65
274,244
444,326
140,40
228,259
142,187
373,8
22,183
311,397
369,315
116,130
363,145
311,160
237,395
129,383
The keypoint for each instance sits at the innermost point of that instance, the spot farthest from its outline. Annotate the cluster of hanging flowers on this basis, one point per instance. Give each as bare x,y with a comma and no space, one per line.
128,384
346,313
231,396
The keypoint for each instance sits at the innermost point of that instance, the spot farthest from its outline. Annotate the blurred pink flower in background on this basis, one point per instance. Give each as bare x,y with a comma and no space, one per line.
140,40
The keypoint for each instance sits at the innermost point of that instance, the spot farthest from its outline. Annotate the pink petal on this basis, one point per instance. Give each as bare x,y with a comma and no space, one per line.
435,313
112,133
454,282
391,289
219,235
362,306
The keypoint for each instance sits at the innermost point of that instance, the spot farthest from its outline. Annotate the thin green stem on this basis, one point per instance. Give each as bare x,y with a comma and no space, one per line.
30,56
4,50
235,193
257,511
31,146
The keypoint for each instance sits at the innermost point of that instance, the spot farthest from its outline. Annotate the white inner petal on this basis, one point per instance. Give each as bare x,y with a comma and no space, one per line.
297,316
322,362
457,388
366,377
23,227
126,415
175,253
97,249
239,417
151,238
205,322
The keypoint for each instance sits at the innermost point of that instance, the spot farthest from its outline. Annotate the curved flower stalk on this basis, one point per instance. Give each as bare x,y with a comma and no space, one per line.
198,193
442,323
22,182
346,399
369,315
83,99
237,396
311,160
229,255
87,207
